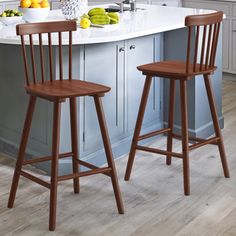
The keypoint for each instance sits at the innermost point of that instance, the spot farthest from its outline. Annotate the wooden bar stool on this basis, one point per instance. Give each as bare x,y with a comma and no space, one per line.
184,71
57,91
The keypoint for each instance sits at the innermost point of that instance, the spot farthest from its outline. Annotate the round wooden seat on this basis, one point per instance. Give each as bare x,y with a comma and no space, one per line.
61,89
173,69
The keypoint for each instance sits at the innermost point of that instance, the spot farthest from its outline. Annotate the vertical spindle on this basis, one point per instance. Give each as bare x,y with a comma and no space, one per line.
41,57
60,55
196,49
208,46
32,58
25,59
203,47
70,55
50,55
188,49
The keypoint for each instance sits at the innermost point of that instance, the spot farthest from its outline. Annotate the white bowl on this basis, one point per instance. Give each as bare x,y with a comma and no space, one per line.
34,14
7,20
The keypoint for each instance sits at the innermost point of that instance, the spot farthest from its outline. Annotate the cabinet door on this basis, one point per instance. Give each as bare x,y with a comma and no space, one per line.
103,63
141,51
234,46
226,44
234,10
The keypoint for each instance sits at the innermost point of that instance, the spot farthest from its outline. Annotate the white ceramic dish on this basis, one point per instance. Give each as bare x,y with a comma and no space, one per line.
11,20
34,14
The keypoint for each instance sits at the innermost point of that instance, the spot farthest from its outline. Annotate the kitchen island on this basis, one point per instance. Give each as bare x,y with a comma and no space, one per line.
108,56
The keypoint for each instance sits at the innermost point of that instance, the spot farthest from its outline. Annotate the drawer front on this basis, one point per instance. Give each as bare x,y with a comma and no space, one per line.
165,3
225,7
234,10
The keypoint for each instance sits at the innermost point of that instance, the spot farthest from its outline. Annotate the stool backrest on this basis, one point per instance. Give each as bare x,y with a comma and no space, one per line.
210,24
30,29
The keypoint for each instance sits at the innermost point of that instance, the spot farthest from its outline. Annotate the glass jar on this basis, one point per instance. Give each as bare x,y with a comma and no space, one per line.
73,9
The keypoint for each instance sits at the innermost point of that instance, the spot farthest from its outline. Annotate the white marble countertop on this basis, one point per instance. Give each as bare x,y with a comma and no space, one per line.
154,19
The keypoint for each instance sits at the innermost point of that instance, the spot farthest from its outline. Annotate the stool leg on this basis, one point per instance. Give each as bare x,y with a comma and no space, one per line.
184,124
54,164
74,142
138,126
171,120
108,151
21,153
216,125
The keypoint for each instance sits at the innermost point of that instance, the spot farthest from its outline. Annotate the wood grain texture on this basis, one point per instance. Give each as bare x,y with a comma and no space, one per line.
183,71
57,91
196,65
65,89
155,204
172,69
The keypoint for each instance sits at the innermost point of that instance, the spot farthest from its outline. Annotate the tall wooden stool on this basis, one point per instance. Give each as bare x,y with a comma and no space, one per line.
57,91
184,71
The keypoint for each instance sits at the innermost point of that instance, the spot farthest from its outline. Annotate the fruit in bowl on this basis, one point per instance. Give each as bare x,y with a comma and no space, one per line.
9,17
34,10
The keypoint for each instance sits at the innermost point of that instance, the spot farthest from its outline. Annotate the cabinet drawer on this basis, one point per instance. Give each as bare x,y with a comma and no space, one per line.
234,10
165,3
225,7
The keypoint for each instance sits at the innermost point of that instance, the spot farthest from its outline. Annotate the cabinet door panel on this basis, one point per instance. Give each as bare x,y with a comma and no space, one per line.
234,46
143,53
225,44
234,10
103,64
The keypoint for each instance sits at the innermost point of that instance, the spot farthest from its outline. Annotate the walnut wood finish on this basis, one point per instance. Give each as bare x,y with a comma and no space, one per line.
203,64
171,120
38,84
138,126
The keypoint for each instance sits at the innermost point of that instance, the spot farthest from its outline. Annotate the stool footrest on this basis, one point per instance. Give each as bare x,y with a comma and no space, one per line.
159,151
47,158
35,179
154,133
213,140
191,138
84,173
91,166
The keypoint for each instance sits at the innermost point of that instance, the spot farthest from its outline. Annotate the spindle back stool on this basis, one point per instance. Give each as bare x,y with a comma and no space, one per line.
57,91
182,71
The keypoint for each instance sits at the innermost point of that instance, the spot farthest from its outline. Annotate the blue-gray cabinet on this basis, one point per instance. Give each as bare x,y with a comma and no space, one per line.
107,68
142,51
115,66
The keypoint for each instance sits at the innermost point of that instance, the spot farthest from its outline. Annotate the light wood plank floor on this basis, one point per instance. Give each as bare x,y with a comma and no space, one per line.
154,200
